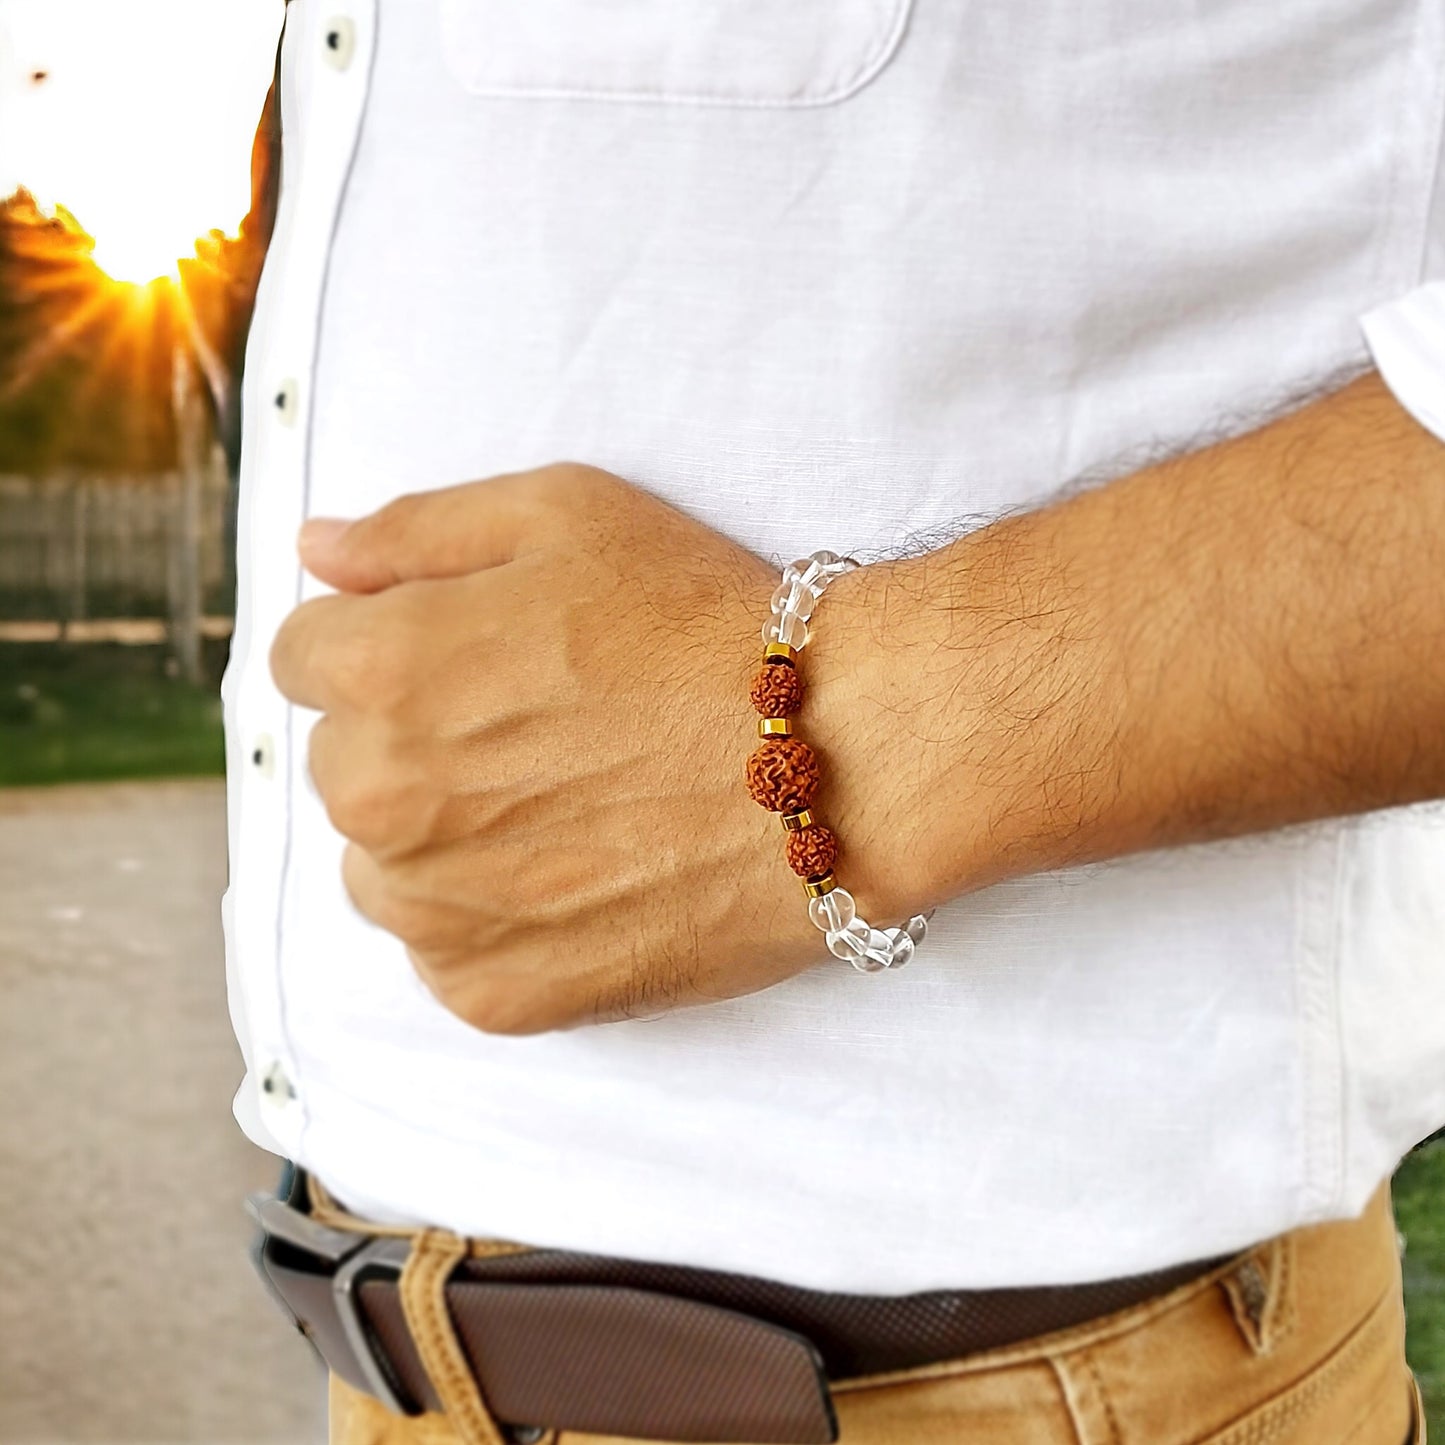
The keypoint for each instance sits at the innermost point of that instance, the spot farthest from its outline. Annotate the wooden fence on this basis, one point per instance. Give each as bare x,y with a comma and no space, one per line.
131,558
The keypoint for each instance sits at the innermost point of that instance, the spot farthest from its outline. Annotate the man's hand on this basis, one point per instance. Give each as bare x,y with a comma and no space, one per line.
535,692
535,722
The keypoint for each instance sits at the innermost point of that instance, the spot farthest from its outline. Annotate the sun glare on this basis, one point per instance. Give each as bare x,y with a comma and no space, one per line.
137,118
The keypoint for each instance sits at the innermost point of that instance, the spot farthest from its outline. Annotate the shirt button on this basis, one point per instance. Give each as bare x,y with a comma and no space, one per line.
286,401
263,755
340,42
277,1086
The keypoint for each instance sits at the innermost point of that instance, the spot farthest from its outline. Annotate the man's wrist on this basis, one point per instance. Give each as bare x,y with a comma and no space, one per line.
932,683
1038,694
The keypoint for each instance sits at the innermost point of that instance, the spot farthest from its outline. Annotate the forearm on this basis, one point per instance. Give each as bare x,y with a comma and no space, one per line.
1246,637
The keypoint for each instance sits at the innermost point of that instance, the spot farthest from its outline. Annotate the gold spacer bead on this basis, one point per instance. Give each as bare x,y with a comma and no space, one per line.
775,727
796,822
780,652
817,887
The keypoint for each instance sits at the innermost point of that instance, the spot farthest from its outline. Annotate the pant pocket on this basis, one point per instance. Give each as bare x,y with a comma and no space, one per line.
1359,1394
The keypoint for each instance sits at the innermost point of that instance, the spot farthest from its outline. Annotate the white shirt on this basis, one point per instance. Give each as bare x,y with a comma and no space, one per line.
828,275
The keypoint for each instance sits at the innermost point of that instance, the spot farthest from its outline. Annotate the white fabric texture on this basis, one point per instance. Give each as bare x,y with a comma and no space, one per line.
1032,243
1407,340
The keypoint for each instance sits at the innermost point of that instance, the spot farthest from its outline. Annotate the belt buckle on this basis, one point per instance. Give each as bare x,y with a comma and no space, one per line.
321,1282
353,1259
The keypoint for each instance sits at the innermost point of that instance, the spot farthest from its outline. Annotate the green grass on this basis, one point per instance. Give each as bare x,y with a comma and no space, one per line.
1420,1210
102,711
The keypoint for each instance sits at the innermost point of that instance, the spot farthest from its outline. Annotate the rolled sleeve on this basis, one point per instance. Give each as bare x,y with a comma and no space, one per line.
1406,338
1406,334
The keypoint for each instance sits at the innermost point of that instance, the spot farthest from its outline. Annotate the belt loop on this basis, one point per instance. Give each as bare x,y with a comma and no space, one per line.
324,1209
1091,1411
1260,1290
435,1253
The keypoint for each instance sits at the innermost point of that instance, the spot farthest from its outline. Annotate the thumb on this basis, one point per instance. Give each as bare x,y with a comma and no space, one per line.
445,533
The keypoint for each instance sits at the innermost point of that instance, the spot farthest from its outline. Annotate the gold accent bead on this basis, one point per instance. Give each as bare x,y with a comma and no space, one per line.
780,652
775,727
796,822
817,887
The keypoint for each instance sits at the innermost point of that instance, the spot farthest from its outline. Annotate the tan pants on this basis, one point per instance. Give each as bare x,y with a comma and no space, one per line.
1299,1342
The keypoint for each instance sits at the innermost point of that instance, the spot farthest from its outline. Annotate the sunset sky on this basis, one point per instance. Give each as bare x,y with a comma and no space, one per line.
136,116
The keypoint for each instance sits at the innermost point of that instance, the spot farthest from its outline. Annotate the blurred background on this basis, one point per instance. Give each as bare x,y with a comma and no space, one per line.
139,155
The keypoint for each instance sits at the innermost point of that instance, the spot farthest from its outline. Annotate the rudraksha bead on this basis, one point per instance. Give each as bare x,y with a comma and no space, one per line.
783,774
777,690
812,852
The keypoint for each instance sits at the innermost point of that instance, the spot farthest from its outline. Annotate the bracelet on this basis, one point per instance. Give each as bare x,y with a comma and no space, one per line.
783,776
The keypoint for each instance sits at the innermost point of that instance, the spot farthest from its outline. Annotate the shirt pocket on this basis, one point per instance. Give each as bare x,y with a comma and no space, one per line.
770,53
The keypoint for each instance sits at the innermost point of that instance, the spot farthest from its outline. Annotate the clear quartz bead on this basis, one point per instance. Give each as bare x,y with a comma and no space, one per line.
917,927
833,911
901,944
850,941
879,948
794,597
805,572
817,571
786,628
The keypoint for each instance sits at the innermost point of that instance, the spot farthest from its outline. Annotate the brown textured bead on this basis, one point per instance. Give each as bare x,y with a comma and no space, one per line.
812,852
783,774
777,690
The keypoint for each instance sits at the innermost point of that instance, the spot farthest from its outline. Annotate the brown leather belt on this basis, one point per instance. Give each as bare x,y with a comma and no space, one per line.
654,1351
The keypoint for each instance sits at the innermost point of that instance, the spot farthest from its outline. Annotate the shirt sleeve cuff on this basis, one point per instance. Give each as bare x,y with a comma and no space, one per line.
1406,338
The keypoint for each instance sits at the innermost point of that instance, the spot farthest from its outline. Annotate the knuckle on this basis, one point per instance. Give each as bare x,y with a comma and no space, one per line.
350,662
397,517
381,533
566,479
279,653
286,656
423,927
570,471
366,812
507,1020
321,754
399,916
368,668
497,1005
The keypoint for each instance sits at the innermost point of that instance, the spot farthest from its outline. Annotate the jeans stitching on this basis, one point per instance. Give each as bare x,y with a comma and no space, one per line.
325,1210
1284,1315
1116,1436
1071,1404
423,1294
1365,1415
1267,1420
1040,1348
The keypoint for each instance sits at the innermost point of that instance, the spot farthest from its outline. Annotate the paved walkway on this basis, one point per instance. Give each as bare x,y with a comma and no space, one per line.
128,1311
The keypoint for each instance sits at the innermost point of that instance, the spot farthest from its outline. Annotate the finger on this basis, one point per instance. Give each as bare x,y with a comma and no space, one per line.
318,651
365,886
383,895
444,533
324,761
